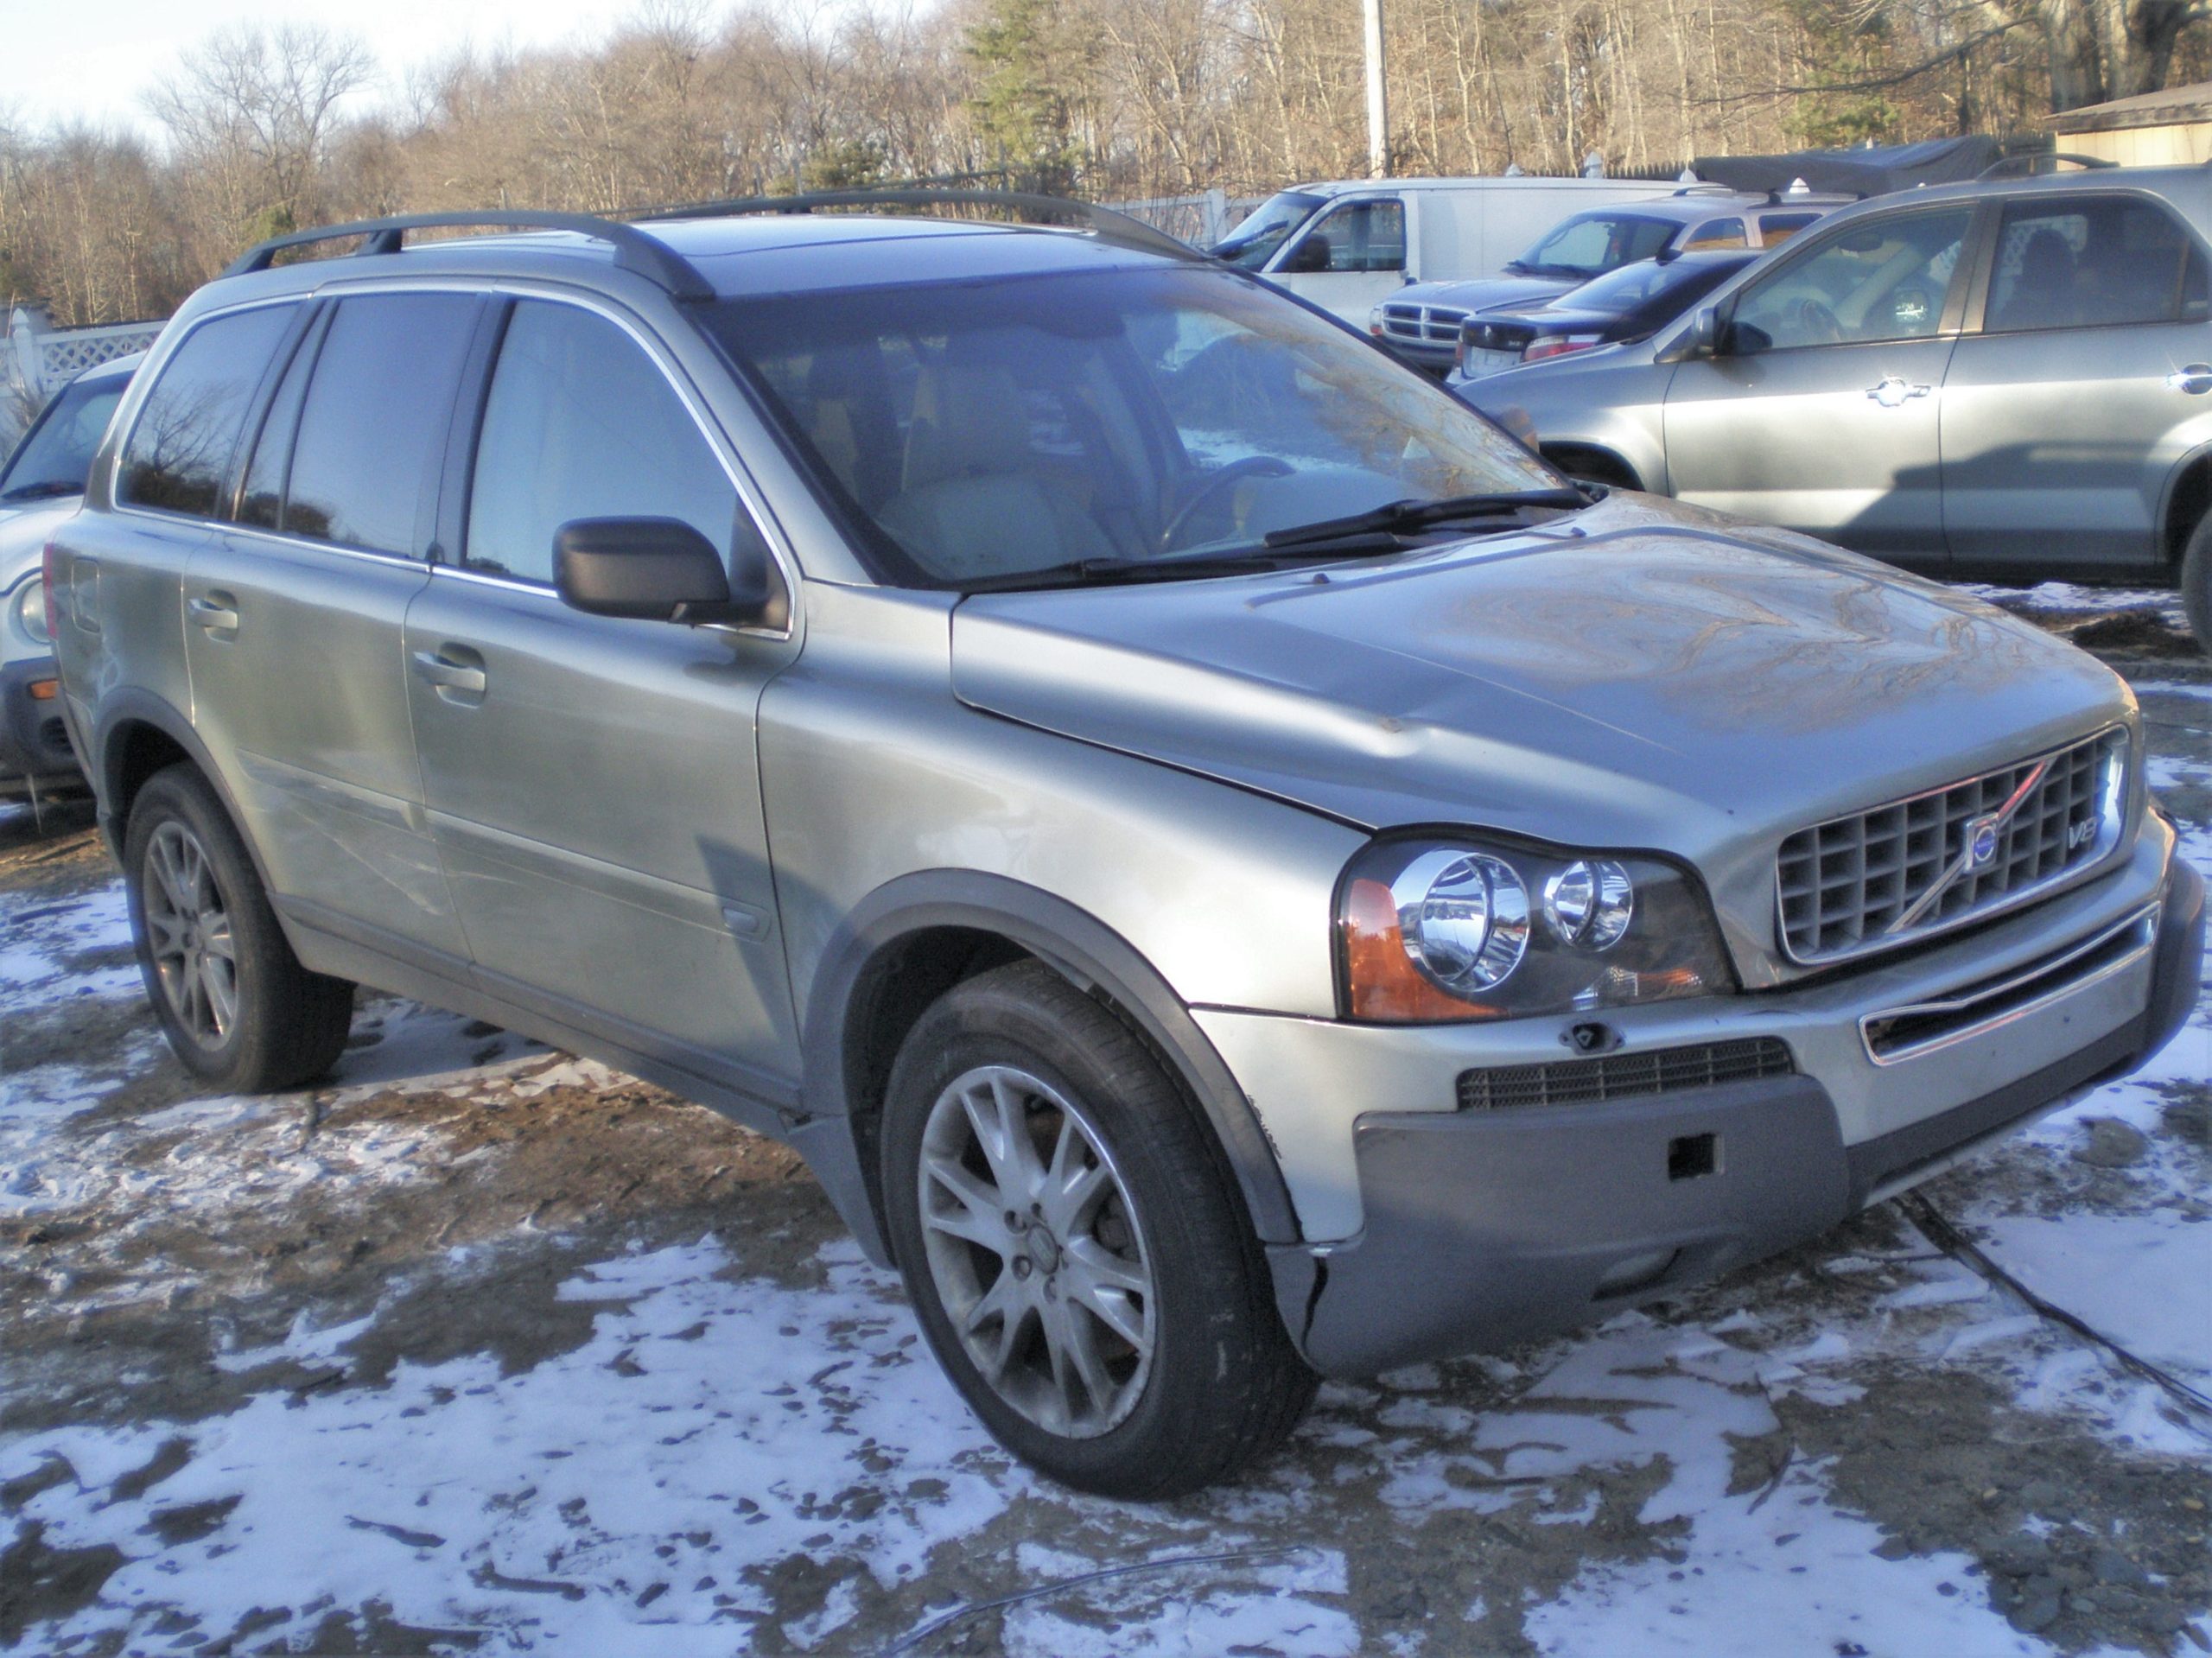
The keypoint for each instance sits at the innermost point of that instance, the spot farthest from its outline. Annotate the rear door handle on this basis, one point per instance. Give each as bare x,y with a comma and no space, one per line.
1894,392
217,612
2196,379
452,668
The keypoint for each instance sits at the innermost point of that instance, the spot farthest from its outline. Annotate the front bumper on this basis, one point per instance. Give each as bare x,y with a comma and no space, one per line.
1482,1227
34,744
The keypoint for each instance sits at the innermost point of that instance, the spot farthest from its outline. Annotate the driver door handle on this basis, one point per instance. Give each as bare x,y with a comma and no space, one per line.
2196,379
448,675
217,613
1894,392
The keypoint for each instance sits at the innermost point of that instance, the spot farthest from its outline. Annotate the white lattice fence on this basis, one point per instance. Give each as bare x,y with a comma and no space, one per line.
40,358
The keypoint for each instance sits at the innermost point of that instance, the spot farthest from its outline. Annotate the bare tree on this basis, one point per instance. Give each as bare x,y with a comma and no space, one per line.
250,115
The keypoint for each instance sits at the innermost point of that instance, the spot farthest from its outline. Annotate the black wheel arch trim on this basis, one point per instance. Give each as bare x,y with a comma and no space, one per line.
1549,450
133,706
2199,456
1078,945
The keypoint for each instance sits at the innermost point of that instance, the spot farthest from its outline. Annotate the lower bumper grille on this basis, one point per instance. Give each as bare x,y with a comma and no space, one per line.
1624,1076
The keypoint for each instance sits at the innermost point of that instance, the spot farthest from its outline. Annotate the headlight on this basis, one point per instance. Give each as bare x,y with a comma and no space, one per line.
1433,930
27,612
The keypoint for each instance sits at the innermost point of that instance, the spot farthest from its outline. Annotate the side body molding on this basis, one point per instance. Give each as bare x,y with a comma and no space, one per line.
1089,953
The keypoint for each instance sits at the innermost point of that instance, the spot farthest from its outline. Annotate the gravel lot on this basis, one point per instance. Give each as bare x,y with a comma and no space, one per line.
481,1348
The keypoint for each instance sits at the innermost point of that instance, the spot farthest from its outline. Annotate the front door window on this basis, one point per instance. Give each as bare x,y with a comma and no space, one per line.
1884,279
1361,235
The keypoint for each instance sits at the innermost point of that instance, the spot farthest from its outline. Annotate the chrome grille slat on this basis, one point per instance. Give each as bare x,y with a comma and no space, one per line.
1429,324
1852,885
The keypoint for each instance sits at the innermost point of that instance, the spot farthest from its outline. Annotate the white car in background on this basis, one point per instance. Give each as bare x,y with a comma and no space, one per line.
41,485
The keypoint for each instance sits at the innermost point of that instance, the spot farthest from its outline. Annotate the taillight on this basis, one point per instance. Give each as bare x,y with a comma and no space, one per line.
1557,346
45,580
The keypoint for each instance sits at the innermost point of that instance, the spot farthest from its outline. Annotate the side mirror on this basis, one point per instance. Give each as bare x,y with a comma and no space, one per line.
662,570
1309,255
1704,331
1701,336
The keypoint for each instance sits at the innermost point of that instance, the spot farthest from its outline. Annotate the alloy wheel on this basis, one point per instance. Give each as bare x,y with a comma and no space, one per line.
188,932
1035,1252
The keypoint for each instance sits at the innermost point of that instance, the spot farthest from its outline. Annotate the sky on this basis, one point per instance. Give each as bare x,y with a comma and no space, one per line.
95,59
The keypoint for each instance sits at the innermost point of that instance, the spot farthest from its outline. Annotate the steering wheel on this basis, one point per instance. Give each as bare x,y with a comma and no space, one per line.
1250,466
1815,317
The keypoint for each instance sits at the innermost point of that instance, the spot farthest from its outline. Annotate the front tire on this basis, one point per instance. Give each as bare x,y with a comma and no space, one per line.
237,1006
1074,1249
2196,583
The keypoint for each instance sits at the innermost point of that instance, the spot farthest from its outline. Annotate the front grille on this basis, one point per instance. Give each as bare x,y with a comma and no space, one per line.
1902,871
1428,325
1623,1075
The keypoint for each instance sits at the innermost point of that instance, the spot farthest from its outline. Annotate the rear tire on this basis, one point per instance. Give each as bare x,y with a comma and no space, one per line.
2196,583
237,1006
1124,1341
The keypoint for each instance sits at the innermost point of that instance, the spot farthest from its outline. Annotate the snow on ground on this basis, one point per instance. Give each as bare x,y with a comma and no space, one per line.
553,1410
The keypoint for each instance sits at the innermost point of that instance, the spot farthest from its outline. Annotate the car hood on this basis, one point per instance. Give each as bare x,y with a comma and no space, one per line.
1490,293
1640,676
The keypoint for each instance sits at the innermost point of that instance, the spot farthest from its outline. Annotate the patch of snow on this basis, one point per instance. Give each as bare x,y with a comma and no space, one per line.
2140,1279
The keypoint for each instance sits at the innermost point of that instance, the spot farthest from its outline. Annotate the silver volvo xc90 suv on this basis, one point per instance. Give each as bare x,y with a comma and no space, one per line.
1226,867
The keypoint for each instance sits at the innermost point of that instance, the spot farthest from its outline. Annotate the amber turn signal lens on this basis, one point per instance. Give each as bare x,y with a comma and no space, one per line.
1381,981
45,690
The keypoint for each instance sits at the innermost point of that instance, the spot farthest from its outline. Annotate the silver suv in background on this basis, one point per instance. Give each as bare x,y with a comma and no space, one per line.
1228,867
41,484
2009,379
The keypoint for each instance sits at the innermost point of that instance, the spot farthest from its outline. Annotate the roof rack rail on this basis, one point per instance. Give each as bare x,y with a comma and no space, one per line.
634,250
1104,223
2026,166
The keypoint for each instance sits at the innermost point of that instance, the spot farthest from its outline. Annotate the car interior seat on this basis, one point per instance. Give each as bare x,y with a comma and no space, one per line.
972,500
2043,295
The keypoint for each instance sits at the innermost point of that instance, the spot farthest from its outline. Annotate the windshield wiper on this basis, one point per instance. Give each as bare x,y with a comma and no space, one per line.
1397,517
43,490
1374,533
1198,565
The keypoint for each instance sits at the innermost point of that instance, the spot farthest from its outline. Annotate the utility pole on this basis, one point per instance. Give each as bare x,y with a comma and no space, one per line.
1378,108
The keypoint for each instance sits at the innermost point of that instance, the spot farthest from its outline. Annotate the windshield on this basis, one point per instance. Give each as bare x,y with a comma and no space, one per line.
57,452
1253,243
979,430
1633,286
1593,244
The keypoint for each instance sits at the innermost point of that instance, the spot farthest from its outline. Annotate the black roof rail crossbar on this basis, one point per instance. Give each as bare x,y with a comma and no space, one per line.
1103,222
648,255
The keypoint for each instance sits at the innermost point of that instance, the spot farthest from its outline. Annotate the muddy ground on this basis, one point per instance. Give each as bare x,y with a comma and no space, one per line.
479,1348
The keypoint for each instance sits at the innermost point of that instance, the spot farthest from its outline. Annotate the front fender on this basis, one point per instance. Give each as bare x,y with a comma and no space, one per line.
1087,952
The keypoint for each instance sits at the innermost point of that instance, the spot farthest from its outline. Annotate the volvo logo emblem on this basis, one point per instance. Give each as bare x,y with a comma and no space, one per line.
1981,842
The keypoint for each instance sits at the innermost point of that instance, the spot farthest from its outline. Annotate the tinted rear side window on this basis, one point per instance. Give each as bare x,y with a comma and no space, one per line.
375,419
581,424
182,445
2092,263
